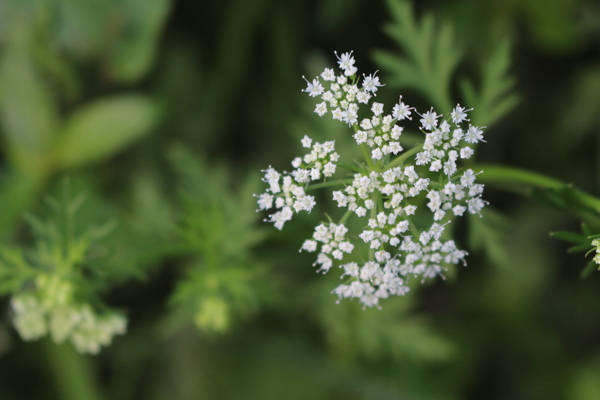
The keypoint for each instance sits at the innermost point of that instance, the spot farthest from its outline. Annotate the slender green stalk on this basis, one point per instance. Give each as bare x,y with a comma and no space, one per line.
367,157
497,174
375,197
73,373
402,157
328,184
346,216
350,167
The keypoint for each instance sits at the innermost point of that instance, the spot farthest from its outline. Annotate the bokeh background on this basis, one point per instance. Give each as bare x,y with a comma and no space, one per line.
164,112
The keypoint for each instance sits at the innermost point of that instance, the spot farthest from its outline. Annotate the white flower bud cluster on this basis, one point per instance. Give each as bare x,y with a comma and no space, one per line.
289,196
51,310
386,191
334,244
395,184
342,97
380,133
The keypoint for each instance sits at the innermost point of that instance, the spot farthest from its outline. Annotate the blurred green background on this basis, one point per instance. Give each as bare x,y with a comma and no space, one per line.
164,112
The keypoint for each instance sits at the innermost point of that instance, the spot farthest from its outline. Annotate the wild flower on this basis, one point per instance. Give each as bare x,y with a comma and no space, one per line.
405,200
596,248
53,310
53,289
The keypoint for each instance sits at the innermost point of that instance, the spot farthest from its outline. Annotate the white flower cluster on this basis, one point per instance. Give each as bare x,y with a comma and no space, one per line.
387,190
289,197
596,244
52,311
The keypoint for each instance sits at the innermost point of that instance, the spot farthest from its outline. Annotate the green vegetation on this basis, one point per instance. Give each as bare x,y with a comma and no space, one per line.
132,134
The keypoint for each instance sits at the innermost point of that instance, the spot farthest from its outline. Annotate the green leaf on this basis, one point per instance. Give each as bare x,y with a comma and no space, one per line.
568,236
14,270
18,192
103,128
589,268
135,52
495,97
580,247
491,233
430,59
586,229
28,113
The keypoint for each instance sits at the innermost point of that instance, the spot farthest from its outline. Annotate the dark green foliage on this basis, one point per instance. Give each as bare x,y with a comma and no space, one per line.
162,113
62,246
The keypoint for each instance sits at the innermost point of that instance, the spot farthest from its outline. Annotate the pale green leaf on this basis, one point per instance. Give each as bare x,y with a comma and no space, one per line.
135,53
103,128
28,112
495,96
430,56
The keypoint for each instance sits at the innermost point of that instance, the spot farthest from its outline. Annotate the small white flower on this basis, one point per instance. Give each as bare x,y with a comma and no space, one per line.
351,269
361,211
395,147
396,132
459,114
325,262
346,63
429,120
338,114
280,217
315,88
466,152
346,247
410,210
401,110
272,178
337,254
328,75
474,135
475,205
459,210
366,124
265,201
467,179
377,109
321,109
329,169
309,245
476,190
371,83
315,174
306,141
363,97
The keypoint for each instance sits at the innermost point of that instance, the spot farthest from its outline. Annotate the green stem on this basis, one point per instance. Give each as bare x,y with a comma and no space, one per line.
73,373
413,229
345,217
497,174
367,157
328,184
350,167
402,157
65,205
375,197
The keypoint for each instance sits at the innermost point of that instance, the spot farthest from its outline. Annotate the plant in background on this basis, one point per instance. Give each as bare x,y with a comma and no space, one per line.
404,200
587,240
222,280
596,248
54,285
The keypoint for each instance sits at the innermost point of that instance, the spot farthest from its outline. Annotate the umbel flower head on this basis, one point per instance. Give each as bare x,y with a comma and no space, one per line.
53,310
405,200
